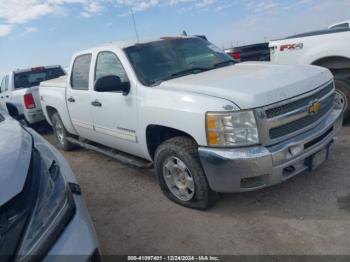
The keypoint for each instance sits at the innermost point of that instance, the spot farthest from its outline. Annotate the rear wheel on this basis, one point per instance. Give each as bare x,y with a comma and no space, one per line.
180,173
61,133
342,97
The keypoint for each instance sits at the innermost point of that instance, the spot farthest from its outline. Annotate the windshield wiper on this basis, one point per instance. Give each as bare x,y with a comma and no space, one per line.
156,82
194,70
225,63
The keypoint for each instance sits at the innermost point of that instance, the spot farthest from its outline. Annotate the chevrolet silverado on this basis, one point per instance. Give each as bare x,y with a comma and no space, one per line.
206,123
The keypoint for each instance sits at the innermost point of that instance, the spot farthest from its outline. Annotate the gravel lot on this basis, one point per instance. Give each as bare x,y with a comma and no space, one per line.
309,214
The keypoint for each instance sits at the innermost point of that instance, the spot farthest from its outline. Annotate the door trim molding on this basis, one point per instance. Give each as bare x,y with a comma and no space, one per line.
82,124
124,134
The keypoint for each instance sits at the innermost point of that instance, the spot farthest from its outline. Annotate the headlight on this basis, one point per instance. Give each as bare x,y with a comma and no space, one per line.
52,211
232,129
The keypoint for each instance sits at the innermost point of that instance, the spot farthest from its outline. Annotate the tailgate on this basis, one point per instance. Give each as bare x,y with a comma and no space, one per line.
34,91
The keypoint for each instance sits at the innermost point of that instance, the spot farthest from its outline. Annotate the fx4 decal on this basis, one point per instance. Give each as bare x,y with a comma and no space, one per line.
292,47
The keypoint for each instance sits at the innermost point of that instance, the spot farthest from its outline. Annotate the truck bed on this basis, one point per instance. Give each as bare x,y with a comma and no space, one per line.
53,94
57,82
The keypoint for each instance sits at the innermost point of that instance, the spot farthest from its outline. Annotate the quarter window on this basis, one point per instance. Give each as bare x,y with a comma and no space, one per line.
108,64
80,72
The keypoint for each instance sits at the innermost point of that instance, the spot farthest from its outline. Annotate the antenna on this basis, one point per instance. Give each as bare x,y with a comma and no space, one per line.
134,23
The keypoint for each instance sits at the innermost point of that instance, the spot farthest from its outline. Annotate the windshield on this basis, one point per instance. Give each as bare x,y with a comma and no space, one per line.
170,58
34,78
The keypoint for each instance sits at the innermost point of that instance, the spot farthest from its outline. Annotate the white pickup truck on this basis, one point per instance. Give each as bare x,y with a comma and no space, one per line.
19,91
327,48
206,123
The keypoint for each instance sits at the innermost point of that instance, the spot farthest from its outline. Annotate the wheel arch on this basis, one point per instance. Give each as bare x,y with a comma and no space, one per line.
12,109
50,111
338,65
157,134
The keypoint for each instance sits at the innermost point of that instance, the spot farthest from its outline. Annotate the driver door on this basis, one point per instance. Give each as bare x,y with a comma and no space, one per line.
115,115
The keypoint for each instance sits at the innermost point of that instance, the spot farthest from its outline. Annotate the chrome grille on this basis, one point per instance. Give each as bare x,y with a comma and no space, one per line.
283,120
302,122
280,110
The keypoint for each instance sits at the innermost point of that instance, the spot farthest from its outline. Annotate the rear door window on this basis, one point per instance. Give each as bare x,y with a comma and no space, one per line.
36,76
80,72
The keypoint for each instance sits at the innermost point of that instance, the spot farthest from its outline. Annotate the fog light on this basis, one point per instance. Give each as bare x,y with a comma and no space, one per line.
295,150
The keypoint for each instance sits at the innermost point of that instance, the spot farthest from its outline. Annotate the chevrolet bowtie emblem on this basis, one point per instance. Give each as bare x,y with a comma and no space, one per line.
315,107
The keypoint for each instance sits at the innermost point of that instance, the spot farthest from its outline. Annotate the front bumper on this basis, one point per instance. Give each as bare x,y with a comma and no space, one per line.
78,241
251,168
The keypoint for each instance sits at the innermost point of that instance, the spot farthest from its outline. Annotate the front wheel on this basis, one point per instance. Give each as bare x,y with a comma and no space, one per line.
61,133
342,97
180,174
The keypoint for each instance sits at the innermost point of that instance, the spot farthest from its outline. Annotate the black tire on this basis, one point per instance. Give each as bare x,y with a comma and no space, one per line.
343,87
61,134
186,150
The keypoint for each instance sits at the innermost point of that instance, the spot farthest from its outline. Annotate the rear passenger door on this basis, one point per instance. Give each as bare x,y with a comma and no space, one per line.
78,96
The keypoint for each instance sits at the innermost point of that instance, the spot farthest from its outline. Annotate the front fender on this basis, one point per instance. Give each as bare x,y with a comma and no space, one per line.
182,111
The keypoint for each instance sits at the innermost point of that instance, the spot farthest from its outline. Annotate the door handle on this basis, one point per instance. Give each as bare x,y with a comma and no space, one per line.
96,103
7,96
71,100
2,97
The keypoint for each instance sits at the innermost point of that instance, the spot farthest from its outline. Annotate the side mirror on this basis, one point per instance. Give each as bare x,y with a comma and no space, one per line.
112,83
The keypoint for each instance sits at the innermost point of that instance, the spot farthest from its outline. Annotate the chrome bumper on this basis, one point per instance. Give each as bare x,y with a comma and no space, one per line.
34,117
251,168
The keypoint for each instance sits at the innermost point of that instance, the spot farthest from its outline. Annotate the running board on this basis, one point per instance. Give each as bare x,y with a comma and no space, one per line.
117,155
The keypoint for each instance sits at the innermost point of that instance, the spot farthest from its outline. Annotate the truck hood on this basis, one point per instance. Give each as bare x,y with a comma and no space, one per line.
15,155
252,84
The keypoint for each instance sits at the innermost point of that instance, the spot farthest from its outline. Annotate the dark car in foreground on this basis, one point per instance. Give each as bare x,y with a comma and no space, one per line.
42,212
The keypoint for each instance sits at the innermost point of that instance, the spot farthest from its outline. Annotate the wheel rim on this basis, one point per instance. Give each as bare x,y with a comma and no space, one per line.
59,132
178,178
340,100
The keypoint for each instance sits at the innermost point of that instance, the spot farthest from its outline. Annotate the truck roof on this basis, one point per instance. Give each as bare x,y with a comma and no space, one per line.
125,44
318,32
343,24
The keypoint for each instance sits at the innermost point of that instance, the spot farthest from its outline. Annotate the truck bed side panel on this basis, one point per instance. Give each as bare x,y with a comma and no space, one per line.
310,48
53,94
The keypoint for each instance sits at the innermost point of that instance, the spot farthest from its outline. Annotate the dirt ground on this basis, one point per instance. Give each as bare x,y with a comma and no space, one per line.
309,214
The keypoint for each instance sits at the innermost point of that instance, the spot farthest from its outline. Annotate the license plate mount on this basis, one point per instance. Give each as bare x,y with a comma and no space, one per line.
318,159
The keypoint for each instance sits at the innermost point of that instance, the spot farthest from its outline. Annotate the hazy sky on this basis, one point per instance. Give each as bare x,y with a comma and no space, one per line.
38,32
